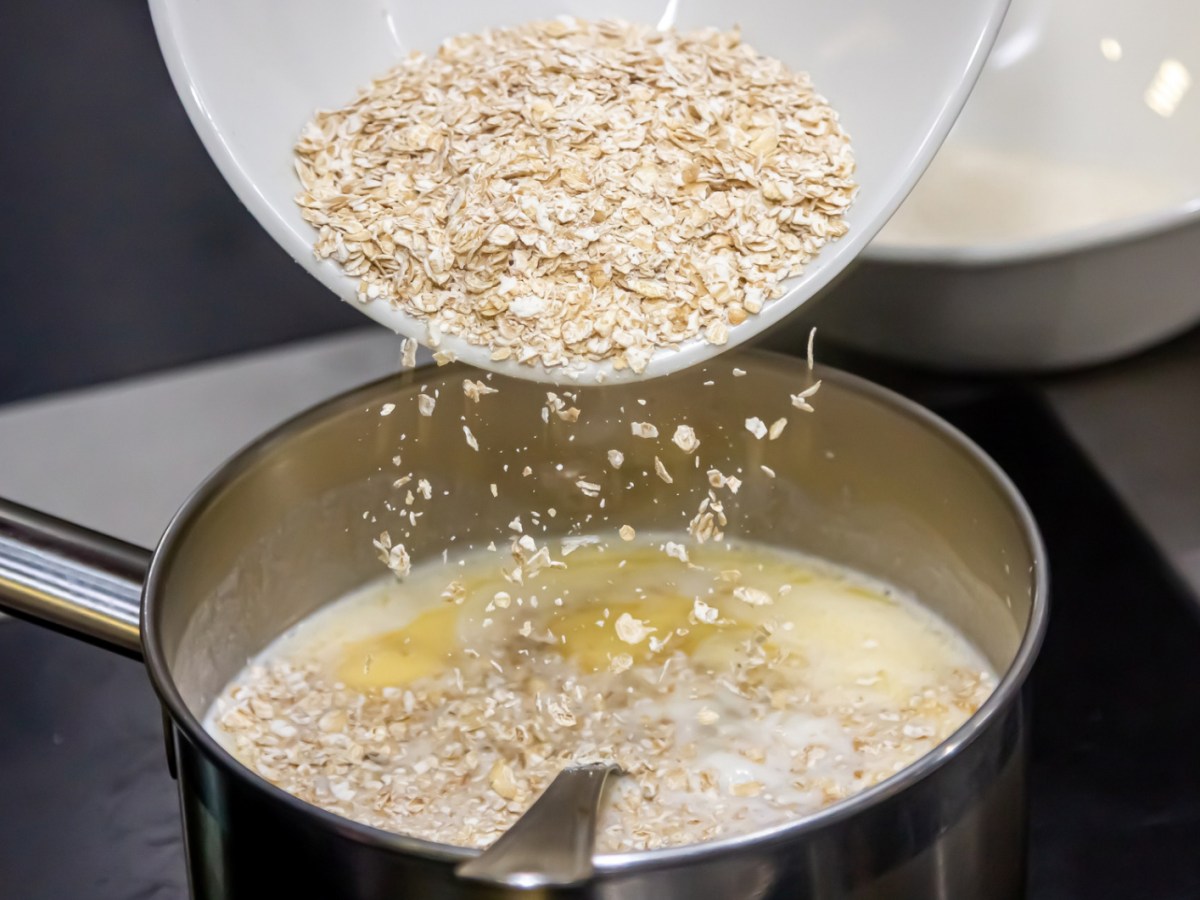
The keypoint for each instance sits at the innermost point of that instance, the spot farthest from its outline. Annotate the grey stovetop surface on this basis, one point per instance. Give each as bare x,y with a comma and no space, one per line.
122,458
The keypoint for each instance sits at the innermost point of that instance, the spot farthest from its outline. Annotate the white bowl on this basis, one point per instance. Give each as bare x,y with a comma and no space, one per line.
251,73
1059,223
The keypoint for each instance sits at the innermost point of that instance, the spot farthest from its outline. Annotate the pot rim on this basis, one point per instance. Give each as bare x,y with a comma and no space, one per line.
183,719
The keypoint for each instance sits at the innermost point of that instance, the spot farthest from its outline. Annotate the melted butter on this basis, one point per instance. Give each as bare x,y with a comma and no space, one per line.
836,629
426,646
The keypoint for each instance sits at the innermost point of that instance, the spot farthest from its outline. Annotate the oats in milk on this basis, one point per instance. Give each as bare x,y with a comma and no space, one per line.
738,686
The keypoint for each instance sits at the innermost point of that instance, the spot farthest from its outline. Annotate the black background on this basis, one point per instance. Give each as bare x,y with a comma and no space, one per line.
122,249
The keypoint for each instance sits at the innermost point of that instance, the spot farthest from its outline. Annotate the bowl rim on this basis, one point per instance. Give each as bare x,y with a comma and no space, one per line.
1124,229
606,864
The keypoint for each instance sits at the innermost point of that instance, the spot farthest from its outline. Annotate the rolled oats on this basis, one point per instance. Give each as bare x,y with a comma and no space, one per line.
632,630
800,400
567,191
661,470
685,439
643,429
756,427
753,596
473,390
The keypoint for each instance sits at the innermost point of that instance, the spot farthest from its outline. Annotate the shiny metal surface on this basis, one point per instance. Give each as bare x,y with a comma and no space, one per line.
870,481
551,844
75,580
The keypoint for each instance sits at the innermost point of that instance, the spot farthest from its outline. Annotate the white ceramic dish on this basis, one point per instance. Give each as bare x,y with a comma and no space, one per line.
251,72
1059,223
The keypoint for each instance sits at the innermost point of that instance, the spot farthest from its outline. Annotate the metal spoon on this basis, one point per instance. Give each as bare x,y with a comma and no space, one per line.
551,845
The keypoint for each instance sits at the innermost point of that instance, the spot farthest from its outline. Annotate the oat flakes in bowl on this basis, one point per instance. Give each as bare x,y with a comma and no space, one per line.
570,194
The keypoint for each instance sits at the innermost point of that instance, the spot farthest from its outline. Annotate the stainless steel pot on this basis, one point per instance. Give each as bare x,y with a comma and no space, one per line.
869,480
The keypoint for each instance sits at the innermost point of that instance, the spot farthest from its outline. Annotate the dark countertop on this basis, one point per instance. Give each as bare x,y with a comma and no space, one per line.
1116,740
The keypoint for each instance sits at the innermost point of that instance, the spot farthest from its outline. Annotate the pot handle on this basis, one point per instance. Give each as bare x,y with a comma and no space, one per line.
71,579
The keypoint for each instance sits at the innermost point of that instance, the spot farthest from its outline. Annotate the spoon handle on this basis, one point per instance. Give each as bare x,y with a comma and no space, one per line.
551,845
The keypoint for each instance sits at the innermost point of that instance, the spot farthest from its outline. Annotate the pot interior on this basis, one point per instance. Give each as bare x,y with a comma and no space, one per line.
867,481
